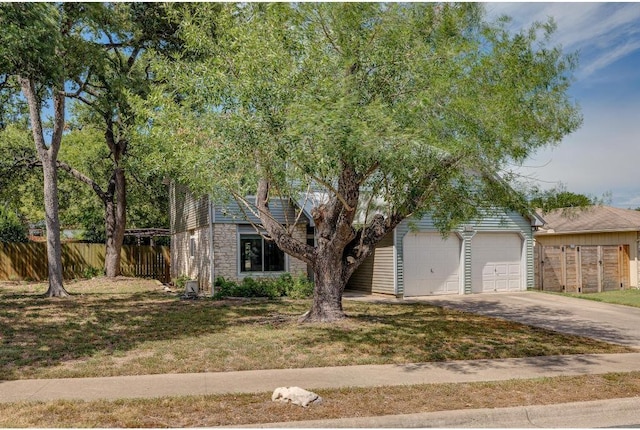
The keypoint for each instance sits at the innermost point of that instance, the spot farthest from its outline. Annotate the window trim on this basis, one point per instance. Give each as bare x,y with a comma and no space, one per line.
250,231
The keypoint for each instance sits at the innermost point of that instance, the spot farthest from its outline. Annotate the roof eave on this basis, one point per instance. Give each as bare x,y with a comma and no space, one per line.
614,230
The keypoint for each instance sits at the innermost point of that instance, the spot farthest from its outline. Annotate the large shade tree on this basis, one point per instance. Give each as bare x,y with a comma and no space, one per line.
39,51
90,54
123,33
368,113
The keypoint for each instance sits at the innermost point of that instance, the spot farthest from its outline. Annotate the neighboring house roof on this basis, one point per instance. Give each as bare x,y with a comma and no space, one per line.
593,219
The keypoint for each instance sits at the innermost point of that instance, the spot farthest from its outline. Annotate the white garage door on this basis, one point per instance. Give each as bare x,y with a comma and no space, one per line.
496,262
431,264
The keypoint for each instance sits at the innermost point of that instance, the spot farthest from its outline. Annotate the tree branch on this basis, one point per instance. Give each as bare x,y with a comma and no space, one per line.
276,231
83,178
327,34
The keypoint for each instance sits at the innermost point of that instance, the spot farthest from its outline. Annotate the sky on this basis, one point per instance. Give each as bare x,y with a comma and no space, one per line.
602,158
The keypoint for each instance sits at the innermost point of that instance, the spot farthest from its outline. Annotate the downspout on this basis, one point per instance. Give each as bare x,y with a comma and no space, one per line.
211,267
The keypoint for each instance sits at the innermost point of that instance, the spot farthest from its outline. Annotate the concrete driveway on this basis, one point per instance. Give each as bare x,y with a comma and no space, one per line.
611,323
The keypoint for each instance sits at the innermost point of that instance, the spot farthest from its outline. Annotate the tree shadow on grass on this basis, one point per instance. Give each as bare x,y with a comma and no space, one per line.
37,333
418,333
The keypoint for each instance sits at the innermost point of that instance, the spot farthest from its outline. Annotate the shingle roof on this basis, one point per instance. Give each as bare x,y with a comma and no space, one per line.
591,219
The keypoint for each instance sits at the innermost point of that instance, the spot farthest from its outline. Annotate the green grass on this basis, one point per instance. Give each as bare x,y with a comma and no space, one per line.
133,327
622,297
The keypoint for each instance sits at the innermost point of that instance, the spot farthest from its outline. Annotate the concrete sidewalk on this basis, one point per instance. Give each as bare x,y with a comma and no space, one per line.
145,386
607,413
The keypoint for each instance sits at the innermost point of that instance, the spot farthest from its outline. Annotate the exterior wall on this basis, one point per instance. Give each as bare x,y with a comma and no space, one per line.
298,267
231,213
185,211
491,222
379,274
614,238
225,242
182,264
189,217
225,251
376,274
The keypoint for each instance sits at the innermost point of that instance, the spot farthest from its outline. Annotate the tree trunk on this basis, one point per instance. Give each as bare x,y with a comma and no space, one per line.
54,246
115,223
330,282
48,155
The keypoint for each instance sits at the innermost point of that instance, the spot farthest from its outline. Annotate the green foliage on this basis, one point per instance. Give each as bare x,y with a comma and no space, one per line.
20,184
285,285
30,40
299,287
412,97
11,229
91,272
559,198
86,151
181,281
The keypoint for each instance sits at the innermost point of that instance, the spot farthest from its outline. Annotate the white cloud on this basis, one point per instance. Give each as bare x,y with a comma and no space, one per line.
595,29
609,57
603,155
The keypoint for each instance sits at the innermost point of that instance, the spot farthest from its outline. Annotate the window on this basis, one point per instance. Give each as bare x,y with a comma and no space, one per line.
192,245
260,255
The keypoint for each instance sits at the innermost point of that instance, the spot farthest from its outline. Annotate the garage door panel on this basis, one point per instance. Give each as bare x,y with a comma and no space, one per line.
496,262
432,265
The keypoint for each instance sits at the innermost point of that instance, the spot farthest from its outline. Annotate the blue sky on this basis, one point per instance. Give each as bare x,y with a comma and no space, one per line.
603,156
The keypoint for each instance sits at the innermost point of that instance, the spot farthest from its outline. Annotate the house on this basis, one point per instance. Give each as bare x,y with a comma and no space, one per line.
494,254
588,250
210,241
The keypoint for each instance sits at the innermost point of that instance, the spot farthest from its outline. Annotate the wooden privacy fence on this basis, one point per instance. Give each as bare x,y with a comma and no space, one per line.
28,261
583,268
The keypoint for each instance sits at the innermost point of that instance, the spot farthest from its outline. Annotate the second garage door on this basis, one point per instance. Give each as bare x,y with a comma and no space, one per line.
496,262
431,264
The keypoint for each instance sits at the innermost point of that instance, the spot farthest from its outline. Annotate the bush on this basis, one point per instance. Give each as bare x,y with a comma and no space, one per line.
300,288
285,285
91,272
11,229
181,281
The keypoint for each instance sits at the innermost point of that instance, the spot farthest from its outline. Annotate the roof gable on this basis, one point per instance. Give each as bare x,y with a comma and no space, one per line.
590,219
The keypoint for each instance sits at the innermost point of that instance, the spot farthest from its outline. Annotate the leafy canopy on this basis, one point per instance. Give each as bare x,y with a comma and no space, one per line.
426,103
559,197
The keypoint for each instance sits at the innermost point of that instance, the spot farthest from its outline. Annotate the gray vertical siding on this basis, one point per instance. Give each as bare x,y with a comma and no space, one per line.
189,216
186,212
376,273
467,236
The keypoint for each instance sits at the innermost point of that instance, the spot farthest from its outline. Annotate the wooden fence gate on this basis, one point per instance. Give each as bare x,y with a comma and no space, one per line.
583,268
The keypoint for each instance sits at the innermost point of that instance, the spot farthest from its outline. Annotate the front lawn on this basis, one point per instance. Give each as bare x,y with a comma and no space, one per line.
629,297
132,326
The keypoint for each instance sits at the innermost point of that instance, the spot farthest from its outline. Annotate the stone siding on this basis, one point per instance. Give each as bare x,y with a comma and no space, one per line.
225,251
298,267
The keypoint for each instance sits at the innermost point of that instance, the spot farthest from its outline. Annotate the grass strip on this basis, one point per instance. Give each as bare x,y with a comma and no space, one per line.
217,410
